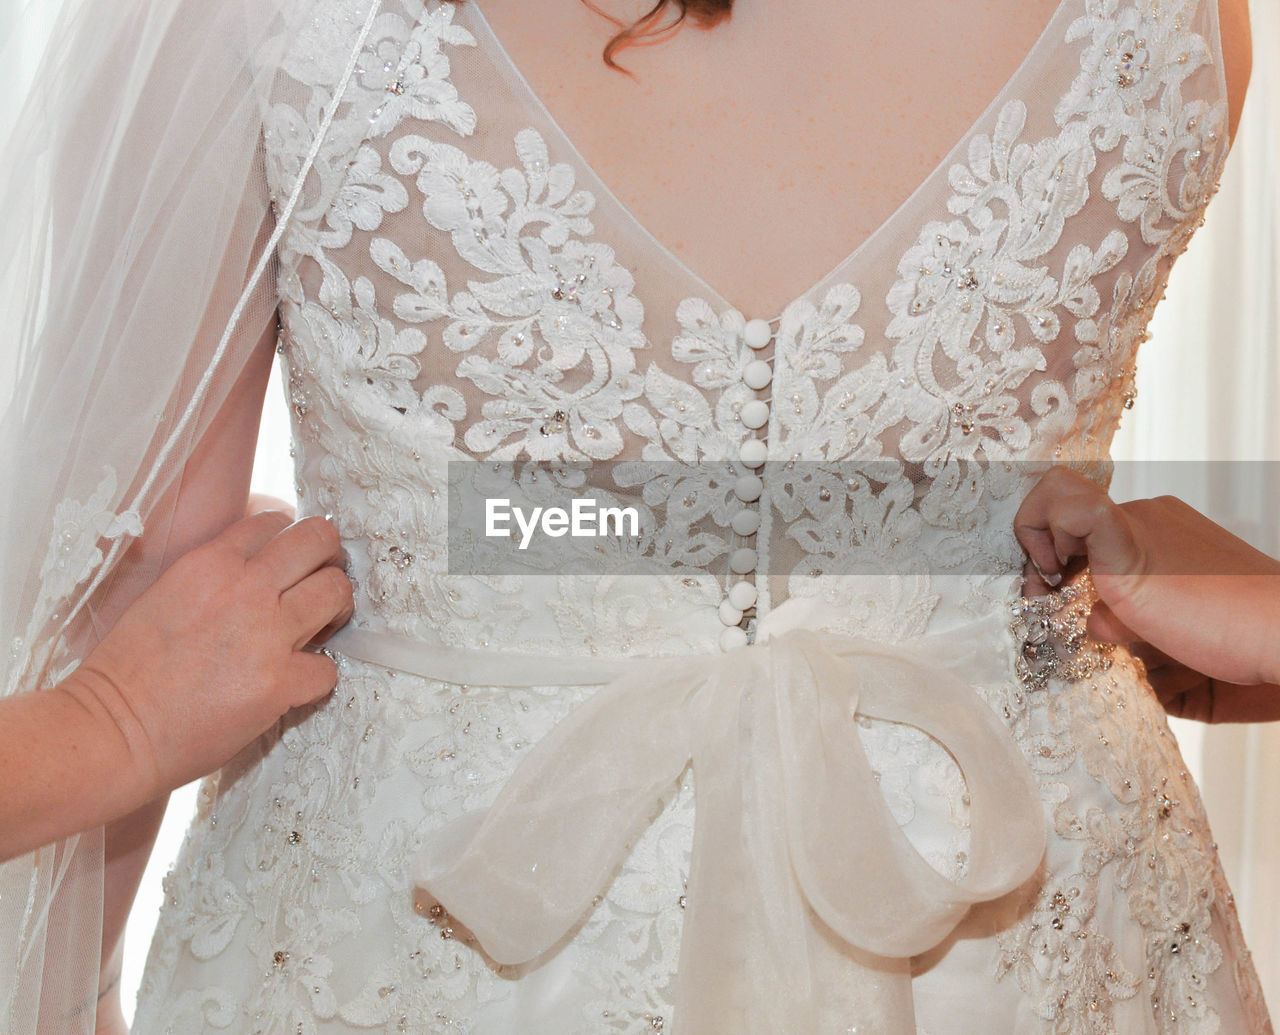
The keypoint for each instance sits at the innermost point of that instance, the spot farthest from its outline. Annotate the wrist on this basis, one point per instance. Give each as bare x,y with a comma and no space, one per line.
122,738
73,765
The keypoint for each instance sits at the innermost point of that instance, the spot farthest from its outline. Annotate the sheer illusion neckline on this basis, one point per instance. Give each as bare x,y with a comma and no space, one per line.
1050,36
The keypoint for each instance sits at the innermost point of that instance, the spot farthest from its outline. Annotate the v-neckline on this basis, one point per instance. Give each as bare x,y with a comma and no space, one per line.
702,288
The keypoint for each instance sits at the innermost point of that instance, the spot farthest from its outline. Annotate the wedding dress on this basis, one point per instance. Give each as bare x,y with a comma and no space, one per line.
491,826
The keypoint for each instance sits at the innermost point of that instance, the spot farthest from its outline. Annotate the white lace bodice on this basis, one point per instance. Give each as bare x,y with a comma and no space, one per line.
459,285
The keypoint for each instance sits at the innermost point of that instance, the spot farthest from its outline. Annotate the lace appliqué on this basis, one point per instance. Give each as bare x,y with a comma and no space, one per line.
73,555
1138,825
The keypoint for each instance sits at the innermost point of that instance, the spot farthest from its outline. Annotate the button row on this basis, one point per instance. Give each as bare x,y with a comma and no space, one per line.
741,597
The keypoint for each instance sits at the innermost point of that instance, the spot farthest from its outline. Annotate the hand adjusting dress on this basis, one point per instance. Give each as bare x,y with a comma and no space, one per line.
829,773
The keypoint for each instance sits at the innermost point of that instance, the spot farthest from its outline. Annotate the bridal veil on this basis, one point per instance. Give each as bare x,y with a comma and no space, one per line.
136,276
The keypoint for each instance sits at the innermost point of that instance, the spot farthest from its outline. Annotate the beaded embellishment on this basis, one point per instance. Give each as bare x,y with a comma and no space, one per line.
1051,631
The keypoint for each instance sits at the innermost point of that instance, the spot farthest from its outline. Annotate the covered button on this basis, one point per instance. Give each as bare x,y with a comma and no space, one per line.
757,374
742,595
755,414
748,488
753,452
757,333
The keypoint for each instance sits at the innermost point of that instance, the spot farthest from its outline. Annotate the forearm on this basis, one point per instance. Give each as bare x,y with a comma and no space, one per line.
1189,694
1234,703
66,766
128,845
1236,616
110,1014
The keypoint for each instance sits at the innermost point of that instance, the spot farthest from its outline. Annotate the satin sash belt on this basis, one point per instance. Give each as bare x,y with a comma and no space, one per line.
794,851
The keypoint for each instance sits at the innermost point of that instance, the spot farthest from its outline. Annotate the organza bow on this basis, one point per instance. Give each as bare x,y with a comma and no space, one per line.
793,842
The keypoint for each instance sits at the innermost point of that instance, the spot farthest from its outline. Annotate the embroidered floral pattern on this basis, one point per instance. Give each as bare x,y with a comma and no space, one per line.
74,554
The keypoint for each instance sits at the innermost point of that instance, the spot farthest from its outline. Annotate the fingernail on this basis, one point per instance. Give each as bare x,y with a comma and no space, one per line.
1049,580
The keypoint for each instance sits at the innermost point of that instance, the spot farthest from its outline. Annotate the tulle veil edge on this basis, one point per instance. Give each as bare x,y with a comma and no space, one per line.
136,277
